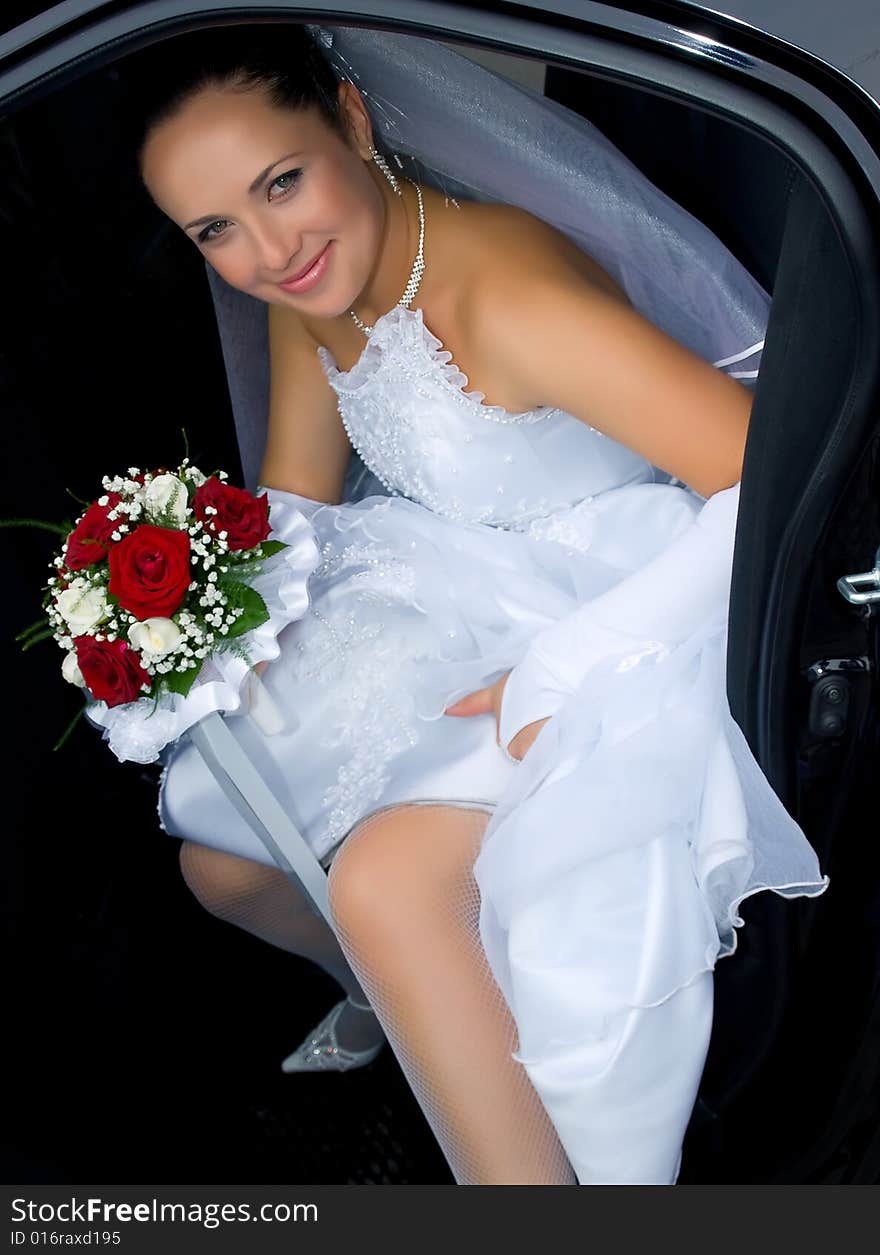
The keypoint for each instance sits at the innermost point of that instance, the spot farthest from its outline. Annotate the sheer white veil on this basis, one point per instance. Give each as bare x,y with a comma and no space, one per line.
475,133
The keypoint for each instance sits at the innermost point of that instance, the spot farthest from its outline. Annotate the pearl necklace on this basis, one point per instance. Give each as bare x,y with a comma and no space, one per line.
418,269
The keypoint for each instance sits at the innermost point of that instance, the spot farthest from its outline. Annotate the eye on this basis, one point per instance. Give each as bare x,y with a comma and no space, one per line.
208,234
205,235
293,175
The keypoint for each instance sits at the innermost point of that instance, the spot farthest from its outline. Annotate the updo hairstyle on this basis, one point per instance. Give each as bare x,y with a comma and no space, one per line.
281,58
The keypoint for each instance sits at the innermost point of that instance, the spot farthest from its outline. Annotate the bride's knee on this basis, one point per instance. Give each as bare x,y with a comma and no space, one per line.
401,869
221,881
365,870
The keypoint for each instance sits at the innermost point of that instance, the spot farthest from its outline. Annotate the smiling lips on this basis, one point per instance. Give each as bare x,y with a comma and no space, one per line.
308,277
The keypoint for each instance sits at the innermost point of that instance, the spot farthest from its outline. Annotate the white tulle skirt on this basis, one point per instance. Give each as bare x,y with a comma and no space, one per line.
617,851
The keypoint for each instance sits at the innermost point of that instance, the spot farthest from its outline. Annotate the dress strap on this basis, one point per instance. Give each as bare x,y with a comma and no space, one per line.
738,357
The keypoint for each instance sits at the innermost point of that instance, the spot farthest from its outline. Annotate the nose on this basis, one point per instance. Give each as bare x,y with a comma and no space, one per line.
278,245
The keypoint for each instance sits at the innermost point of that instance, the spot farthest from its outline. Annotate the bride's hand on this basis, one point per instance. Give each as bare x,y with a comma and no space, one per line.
488,701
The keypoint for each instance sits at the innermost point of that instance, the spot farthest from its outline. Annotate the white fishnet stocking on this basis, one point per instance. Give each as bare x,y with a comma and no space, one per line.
264,902
406,908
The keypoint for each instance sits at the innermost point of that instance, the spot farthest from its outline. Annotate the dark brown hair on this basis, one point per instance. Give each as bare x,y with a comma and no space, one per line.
281,58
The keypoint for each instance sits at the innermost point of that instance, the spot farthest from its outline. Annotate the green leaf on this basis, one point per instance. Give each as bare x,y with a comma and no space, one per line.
181,681
67,731
49,527
37,637
226,646
244,563
251,602
242,571
271,547
38,625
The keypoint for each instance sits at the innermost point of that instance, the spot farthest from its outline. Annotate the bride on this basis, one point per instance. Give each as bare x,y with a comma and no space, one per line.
506,729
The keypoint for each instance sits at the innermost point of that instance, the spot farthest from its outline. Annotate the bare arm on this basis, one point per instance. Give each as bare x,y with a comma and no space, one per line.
593,356
601,361
307,450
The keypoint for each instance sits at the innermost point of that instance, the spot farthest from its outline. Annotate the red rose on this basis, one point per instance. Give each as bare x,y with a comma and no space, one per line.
90,539
111,669
149,571
244,517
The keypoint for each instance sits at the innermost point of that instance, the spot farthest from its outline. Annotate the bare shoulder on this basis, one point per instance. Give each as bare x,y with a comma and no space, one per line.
287,324
563,337
514,245
519,266
307,448
292,346
507,266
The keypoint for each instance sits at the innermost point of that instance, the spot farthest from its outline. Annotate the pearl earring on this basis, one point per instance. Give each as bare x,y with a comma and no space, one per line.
386,170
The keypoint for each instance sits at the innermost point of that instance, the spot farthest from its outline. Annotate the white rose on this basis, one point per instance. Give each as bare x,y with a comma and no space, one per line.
70,670
155,636
82,608
166,494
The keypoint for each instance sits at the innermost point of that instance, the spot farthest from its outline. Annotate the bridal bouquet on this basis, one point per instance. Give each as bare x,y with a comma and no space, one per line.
154,578
164,595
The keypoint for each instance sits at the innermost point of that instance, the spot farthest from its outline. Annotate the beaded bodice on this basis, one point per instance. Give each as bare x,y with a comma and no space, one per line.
406,412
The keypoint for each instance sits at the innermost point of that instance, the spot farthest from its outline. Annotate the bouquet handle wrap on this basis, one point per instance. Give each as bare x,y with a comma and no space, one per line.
258,806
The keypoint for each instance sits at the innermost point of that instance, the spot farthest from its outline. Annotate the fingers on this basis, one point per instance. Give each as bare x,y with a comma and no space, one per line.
479,703
486,701
524,739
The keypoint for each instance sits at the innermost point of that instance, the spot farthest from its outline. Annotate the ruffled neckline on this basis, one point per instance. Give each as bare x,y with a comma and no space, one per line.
404,320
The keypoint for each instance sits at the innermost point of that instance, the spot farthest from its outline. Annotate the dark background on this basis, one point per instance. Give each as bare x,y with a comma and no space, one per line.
144,1036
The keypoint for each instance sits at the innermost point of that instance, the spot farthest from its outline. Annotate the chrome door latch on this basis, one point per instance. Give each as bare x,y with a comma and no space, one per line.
829,700
863,589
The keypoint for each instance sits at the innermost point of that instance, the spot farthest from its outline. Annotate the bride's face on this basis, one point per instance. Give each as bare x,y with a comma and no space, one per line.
263,191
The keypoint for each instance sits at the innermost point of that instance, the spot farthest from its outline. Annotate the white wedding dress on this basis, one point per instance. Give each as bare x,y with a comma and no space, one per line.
619,848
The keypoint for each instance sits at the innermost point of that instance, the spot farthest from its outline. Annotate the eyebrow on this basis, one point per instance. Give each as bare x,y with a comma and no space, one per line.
254,187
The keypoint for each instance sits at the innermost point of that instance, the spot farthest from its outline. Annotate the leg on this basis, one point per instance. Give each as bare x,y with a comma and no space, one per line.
262,901
406,909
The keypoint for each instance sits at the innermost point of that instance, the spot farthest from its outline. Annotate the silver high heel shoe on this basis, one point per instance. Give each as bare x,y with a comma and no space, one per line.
321,1051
